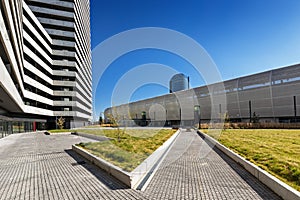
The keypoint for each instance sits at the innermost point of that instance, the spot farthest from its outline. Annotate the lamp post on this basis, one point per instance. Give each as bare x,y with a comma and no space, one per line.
55,122
197,117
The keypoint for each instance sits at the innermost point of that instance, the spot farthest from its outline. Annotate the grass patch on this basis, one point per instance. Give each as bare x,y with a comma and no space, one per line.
59,130
274,150
134,147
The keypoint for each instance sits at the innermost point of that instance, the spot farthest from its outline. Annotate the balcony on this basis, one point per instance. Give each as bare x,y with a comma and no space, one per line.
64,63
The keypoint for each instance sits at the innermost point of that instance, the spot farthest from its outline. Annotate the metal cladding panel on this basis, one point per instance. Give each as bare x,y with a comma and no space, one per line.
283,111
187,100
187,112
231,86
298,105
205,112
283,101
261,103
205,107
201,91
232,97
298,100
232,106
172,107
244,113
157,111
121,112
204,101
136,110
267,100
259,93
172,111
160,100
263,111
290,89
234,113
283,106
286,74
254,81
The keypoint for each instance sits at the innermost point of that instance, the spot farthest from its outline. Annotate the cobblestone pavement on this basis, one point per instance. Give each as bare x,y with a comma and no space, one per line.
38,166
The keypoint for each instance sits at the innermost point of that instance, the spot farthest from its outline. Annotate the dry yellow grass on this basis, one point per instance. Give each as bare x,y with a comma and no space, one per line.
274,150
133,147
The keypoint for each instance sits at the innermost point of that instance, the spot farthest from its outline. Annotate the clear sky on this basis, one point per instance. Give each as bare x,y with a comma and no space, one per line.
241,36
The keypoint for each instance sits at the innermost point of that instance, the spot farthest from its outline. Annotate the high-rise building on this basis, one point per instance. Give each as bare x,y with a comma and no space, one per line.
45,67
179,82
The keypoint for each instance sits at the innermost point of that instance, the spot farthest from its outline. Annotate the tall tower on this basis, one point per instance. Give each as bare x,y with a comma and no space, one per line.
45,64
179,82
68,25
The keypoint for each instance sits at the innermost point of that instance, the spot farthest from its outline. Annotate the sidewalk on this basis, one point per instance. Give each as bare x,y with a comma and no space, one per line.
38,166
193,170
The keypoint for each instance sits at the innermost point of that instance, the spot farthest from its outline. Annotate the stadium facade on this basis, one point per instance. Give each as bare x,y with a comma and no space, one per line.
273,95
45,65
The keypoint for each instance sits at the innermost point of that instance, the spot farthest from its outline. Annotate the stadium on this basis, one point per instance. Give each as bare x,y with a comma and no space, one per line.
272,95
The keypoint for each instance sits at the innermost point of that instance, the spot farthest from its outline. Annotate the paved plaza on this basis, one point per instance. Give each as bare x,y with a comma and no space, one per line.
38,166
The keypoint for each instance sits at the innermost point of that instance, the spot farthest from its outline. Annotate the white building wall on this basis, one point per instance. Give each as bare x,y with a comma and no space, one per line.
46,60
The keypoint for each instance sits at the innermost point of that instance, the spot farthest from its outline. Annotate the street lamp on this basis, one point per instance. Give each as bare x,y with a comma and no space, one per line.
197,117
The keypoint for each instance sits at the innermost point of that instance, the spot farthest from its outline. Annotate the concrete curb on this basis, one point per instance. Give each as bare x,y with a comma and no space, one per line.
90,136
280,188
61,133
142,172
115,171
146,181
139,174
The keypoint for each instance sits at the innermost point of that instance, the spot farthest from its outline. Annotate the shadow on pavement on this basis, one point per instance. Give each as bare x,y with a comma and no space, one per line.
262,190
108,180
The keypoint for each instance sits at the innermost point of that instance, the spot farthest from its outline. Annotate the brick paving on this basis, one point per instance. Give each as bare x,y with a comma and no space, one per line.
38,166
194,170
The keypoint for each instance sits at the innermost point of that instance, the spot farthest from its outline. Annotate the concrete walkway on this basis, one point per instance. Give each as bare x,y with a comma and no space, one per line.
38,166
194,170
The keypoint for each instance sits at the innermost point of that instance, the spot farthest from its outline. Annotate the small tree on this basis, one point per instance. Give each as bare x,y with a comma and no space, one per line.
114,119
255,118
60,122
226,118
100,120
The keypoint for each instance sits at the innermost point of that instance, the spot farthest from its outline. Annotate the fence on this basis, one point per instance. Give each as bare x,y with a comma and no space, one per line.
244,125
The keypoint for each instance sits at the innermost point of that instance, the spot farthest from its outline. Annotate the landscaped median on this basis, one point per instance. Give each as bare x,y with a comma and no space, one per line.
58,131
276,151
130,154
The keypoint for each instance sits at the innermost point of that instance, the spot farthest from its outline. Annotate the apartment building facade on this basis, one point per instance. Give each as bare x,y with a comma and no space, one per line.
45,66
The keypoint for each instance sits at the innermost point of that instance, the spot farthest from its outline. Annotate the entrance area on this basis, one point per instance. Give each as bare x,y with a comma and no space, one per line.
18,125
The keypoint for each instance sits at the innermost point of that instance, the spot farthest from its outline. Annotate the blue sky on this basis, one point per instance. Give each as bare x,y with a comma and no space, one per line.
241,36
